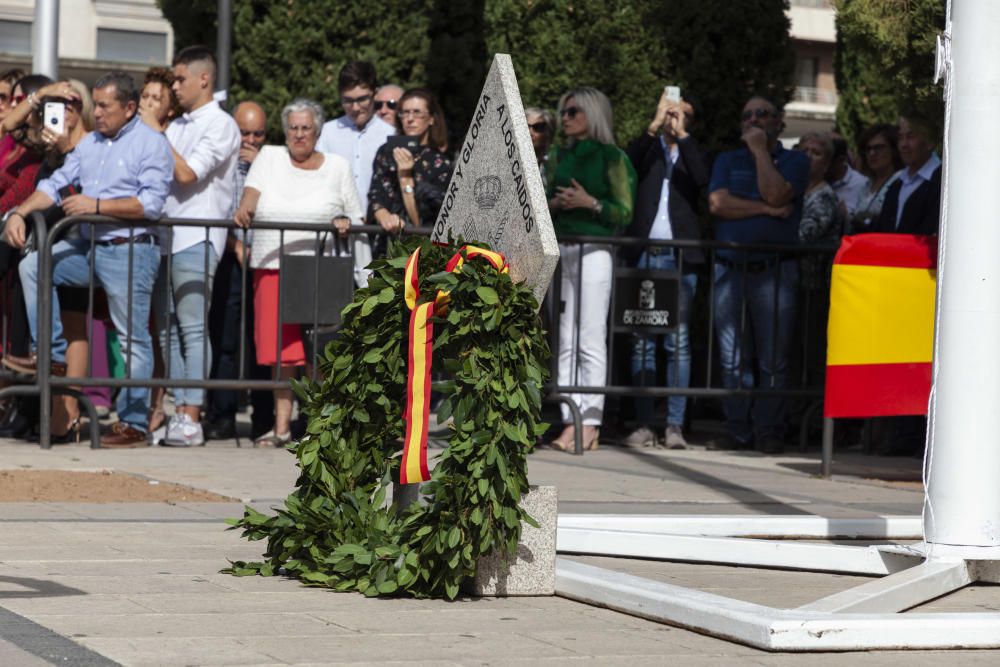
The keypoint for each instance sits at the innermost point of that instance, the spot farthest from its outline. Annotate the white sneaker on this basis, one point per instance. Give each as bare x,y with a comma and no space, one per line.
641,438
184,432
673,438
156,437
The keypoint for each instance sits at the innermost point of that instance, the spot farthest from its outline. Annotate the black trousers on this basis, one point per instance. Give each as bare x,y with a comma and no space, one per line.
224,334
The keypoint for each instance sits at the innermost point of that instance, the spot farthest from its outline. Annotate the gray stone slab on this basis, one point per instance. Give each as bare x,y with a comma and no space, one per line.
496,194
533,570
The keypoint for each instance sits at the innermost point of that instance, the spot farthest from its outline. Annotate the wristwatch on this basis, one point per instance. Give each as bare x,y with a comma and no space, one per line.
408,189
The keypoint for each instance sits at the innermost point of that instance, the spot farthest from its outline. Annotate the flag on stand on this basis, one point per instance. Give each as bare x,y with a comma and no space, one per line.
880,337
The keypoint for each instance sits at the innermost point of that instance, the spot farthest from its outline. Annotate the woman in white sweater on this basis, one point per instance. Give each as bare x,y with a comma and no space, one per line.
291,183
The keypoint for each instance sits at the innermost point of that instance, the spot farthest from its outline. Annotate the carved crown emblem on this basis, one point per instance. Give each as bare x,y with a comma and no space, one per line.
487,191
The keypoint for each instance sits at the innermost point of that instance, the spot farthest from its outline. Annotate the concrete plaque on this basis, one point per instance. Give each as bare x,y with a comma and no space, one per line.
496,195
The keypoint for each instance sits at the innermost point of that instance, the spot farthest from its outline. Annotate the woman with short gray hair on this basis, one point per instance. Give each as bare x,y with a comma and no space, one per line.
294,182
591,189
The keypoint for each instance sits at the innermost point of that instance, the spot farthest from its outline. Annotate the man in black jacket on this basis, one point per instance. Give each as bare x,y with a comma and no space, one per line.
912,204
672,175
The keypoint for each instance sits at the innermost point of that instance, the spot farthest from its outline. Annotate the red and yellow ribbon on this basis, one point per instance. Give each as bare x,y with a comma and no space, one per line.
418,379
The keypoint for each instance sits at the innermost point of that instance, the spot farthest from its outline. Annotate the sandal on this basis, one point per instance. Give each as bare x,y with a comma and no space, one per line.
272,439
564,443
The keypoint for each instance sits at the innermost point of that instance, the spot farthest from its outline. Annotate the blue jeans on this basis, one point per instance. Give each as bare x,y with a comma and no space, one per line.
71,266
755,320
179,303
676,344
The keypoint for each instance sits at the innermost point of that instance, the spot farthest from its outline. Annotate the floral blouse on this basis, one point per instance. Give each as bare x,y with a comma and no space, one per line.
819,216
431,173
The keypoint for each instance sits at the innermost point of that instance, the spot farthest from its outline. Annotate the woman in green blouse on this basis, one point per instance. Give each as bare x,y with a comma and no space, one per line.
591,190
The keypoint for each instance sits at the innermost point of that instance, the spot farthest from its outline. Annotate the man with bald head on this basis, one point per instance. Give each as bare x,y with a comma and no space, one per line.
225,313
386,101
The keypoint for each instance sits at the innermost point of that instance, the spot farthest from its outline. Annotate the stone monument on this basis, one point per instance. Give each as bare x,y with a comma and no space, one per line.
496,194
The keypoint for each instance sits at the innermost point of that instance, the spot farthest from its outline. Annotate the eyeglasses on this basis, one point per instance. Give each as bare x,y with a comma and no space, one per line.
758,113
4,98
570,112
17,99
415,113
875,148
359,101
300,129
385,103
538,127
256,133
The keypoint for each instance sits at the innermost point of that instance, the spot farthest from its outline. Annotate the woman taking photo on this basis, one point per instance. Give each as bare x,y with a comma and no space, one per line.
880,162
408,185
591,190
298,183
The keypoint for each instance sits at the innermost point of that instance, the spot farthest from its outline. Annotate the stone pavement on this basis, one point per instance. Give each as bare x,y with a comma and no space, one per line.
139,583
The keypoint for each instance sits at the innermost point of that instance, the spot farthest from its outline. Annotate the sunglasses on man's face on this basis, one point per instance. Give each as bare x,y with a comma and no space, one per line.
385,103
758,113
17,99
539,127
570,112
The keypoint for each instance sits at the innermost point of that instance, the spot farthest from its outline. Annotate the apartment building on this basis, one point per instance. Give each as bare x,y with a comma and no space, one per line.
95,36
813,36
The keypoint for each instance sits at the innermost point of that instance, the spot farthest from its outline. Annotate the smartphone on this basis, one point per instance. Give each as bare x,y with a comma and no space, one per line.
404,141
55,117
673,93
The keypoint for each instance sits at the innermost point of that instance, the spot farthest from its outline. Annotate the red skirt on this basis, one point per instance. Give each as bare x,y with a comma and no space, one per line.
265,324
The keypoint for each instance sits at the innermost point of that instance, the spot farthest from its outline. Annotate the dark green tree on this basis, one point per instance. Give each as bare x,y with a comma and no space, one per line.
457,60
721,53
718,51
193,21
885,61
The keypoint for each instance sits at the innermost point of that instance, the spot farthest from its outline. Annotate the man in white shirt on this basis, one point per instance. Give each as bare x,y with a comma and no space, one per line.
356,136
205,141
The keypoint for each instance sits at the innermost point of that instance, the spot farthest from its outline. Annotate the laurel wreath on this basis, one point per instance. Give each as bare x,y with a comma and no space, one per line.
335,529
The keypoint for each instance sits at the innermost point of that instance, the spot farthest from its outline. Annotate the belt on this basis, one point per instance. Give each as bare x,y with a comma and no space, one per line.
657,250
759,266
138,238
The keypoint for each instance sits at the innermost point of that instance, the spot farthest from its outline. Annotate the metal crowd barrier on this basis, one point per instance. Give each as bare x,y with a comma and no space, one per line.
811,327
46,384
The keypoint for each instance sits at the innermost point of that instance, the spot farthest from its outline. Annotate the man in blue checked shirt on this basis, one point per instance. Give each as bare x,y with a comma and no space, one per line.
124,170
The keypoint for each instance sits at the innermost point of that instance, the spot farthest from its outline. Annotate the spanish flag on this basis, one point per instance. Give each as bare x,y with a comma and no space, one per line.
881,328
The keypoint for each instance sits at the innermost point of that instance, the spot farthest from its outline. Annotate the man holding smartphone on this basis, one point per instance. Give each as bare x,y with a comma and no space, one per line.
124,169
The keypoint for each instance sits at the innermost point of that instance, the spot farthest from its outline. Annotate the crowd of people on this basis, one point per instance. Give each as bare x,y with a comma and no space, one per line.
167,149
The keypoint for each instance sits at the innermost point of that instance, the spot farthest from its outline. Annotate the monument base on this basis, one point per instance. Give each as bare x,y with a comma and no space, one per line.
533,570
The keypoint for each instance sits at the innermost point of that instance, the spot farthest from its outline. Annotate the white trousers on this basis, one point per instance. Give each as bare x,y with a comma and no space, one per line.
583,338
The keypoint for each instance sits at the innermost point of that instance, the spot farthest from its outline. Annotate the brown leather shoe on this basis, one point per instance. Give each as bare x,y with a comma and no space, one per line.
123,436
29,365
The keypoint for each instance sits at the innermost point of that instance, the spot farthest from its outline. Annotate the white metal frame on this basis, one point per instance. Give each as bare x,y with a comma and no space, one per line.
863,617
961,527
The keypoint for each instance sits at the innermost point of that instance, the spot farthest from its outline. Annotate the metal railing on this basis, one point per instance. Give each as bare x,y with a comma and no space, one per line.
684,252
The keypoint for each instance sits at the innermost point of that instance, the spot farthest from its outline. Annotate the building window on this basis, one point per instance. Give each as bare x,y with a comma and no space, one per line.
15,37
806,69
131,46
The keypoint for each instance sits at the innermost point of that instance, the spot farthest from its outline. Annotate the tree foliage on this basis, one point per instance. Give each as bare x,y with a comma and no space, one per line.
885,61
719,51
